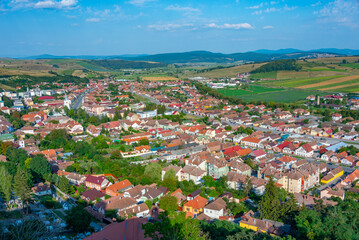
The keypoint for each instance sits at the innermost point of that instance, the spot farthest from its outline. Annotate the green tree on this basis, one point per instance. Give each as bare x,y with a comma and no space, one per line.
175,227
247,186
309,225
169,203
40,167
170,180
269,206
64,184
78,219
21,187
154,171
5,183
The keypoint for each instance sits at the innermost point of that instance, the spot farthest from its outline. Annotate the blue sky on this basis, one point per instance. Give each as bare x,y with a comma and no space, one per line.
111,27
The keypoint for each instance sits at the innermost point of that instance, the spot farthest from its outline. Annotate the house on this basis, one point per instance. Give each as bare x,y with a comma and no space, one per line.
310,201
349,180
179,195
332,175
114,189
76,179
336,117
93,130
304,151
193,195
215,209
259,154
150,194
192,173
142,149
115,203
240,167
135,192
195,206
126,230
92,195
98,182
248,221
50,154
41,189
140,210
250,141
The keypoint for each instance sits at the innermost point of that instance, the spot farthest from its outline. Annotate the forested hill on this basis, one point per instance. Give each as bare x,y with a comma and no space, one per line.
284,64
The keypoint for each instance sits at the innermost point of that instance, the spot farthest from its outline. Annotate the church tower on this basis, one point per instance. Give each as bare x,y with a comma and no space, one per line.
67,102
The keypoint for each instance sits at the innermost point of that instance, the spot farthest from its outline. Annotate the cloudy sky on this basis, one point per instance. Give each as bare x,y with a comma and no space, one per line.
111,27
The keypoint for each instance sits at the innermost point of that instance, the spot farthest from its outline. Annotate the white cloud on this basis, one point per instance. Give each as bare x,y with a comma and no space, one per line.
259,12
268,27
178,8
140,3
49,4
231,26
169,26
93,19
341,11
256,6
316,4
274,9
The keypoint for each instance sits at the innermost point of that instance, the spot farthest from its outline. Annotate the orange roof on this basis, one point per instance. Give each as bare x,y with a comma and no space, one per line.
244,151
197,203
119,185
142,147
251,139
177,191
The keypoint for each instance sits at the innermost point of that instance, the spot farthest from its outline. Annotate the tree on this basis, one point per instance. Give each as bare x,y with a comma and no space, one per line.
169,203
143,141
247,186
269,206
21,187
5,183
154,171
29,230
176,227
64,184
78,219
309,225
40,167
170,180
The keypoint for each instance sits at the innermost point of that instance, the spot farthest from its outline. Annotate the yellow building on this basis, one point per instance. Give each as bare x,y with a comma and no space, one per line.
195,206
332,175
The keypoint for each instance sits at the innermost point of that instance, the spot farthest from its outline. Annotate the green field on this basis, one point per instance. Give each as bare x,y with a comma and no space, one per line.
326,69
338,84
265,75
233,92
351,65
285,96
293,83
92,67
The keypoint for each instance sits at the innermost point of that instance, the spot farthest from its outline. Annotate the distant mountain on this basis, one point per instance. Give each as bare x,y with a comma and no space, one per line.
210,57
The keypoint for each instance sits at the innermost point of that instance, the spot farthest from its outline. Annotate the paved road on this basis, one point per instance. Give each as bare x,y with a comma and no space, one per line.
78,101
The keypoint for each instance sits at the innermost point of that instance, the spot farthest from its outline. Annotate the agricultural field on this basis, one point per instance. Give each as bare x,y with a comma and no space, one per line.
265,75
162,78
267,94
284,96
224,72
251,90
322,85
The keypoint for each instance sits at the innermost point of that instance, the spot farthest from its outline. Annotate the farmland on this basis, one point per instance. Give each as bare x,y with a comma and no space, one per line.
261,93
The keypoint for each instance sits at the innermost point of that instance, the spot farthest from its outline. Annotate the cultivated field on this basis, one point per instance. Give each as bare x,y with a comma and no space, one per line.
164,78
333,81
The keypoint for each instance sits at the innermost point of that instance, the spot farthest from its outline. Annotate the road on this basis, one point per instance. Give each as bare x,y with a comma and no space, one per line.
78,101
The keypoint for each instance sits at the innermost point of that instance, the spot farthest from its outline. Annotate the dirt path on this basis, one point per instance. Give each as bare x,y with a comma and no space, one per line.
336,80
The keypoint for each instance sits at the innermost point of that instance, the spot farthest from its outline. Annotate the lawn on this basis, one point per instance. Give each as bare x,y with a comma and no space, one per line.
265,75
118,146
49,202
233,92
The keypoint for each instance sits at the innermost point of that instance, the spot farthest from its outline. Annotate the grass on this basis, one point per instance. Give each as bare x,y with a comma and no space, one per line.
92,67
326,69
49,202
265,75
284,96
10,214
298,82
233,92
60,214
351,65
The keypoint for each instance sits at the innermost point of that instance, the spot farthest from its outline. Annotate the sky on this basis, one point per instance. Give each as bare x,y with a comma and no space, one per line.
115,27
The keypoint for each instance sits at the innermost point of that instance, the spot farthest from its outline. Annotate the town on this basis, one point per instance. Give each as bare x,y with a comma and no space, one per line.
113,156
